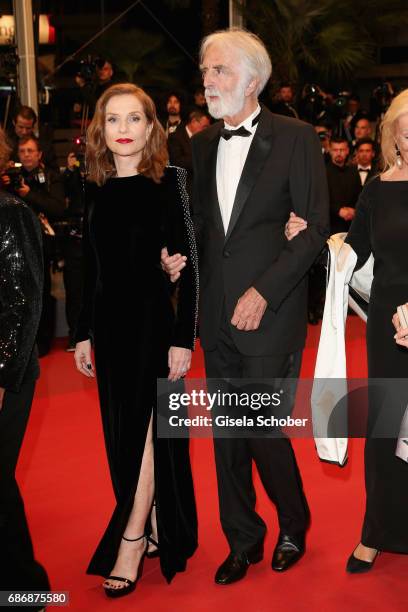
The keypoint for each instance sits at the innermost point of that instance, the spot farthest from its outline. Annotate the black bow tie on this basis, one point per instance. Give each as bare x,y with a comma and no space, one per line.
241,131
364,169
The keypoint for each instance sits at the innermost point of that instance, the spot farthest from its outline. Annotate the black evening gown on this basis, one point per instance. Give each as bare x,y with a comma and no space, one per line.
381,227
127,311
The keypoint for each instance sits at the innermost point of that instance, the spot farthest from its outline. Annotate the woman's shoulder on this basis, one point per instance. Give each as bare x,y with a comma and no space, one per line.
11,205
16,213
370,190
175,174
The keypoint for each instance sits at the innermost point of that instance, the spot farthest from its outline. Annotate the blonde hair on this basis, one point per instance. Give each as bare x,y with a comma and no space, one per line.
5,150
99,159
255,58
398,107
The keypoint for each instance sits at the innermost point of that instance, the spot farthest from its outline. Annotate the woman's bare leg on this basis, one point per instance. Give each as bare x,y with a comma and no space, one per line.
130,553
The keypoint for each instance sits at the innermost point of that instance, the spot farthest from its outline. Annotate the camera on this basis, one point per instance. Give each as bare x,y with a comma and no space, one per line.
87,67
16,177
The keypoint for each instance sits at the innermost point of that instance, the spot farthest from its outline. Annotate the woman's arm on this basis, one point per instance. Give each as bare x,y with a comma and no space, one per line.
84,330
179,238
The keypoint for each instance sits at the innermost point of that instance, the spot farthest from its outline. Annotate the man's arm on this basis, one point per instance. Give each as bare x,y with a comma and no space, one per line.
308,187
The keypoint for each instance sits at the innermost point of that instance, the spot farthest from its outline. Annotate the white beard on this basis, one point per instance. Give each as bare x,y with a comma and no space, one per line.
228,104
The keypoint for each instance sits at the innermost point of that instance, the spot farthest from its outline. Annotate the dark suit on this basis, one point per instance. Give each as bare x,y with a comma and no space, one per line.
344,189
180,153
284,172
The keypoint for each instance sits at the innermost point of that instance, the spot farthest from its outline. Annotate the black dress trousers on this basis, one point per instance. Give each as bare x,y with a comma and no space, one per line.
274,457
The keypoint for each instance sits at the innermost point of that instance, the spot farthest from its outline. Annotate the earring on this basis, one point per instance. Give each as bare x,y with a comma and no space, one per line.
399,158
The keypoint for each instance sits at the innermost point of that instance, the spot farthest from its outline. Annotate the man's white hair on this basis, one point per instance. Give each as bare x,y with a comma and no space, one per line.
254,56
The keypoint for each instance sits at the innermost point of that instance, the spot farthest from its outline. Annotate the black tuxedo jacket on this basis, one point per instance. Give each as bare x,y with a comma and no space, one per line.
284,172
179,144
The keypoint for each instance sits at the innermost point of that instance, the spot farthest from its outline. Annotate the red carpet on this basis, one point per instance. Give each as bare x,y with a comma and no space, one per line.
65,483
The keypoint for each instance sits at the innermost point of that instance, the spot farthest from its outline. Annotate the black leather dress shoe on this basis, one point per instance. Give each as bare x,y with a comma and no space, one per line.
287,552
236,566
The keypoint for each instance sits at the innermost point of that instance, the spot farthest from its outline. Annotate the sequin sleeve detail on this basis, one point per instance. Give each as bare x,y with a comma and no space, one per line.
21,281
181,239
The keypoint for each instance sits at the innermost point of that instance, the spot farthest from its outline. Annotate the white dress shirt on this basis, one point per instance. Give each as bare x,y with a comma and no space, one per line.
231,158
363,172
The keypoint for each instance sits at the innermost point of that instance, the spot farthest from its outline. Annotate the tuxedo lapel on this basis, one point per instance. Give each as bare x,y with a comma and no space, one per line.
210,187
257,155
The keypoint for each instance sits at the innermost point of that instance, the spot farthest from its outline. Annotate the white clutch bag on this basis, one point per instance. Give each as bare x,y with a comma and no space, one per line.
402,312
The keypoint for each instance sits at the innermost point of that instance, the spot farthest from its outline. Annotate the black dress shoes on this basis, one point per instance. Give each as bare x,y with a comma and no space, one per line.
236,566
287,552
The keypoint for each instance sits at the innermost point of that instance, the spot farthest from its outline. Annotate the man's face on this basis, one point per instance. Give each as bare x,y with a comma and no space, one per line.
286,94
339,152
29,155
173,106
223,81
353,106
198,125
324,136
105,73
362,129
23,127
365,154
199,98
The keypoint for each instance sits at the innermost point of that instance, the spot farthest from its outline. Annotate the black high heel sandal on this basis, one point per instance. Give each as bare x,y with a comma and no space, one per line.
130,584
152,554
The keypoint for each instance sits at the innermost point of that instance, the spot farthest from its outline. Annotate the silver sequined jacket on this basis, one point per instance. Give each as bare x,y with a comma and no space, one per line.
21,280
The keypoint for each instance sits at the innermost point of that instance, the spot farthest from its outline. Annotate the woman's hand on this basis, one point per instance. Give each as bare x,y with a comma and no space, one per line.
294,226
83,358
401,337
179,362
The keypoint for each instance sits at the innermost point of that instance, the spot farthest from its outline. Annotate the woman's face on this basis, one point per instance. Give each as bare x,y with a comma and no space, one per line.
401,135
126,126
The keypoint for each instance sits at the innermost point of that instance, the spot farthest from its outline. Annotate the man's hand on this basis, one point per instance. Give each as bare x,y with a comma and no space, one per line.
294,226
401,337
172,265
2,391
23,190
249,310
5,180
347,213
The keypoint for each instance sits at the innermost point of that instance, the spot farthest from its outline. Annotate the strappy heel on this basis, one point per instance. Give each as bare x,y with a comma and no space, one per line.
152,554
130,584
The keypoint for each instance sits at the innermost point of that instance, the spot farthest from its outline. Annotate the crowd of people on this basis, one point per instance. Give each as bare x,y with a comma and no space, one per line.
265,193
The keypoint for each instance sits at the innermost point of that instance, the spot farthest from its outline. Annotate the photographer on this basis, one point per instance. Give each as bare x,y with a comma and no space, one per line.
42,189
24,121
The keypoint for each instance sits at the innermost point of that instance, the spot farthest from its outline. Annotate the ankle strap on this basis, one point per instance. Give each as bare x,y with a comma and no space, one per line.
133,539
